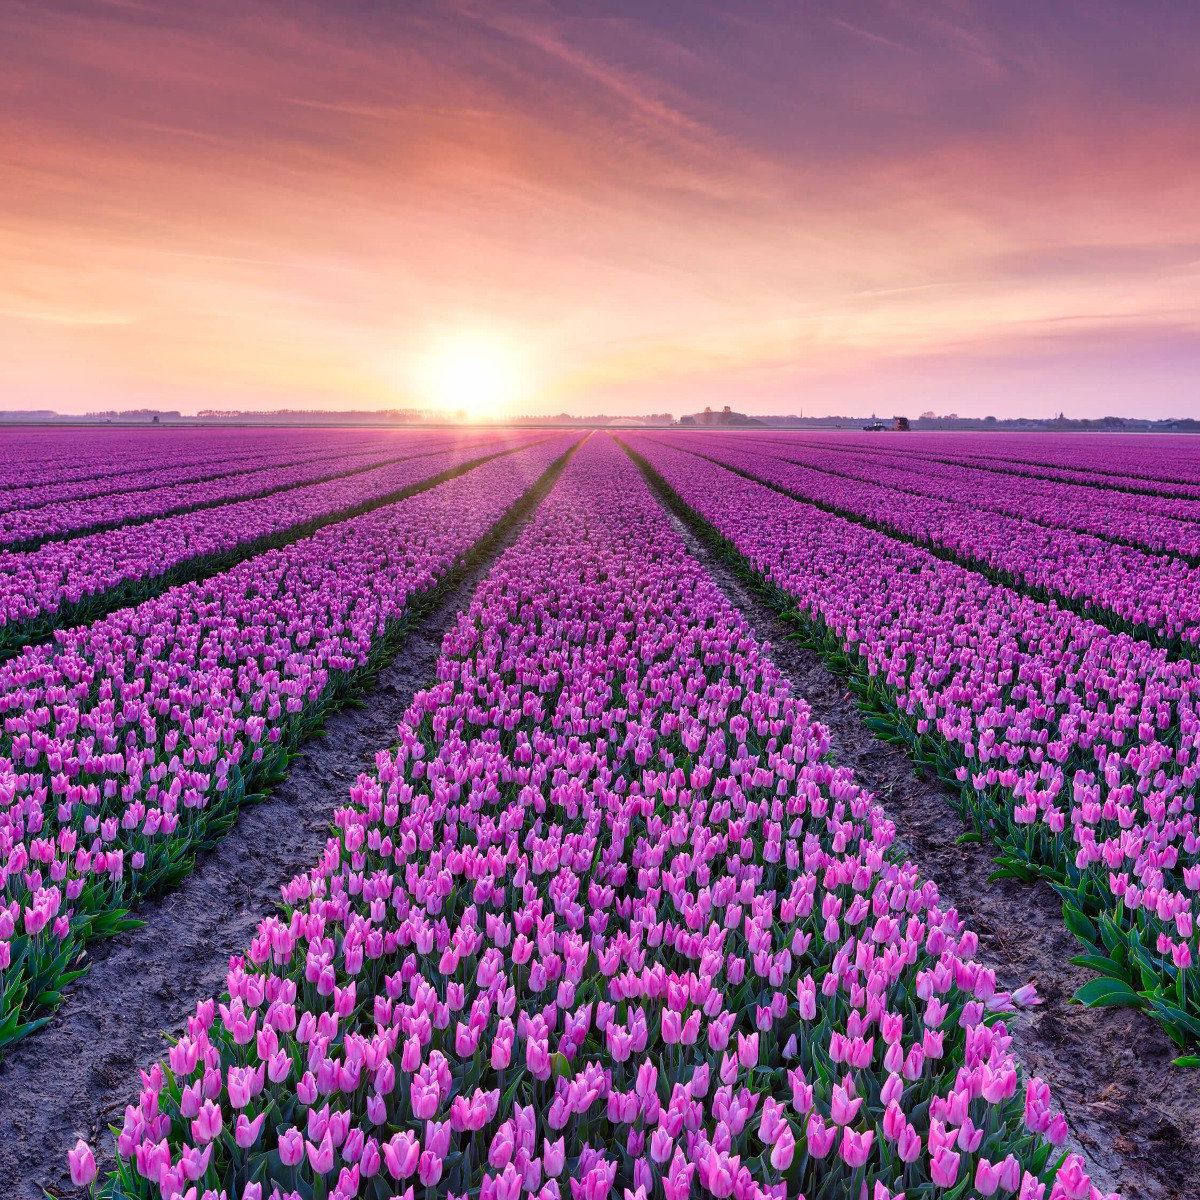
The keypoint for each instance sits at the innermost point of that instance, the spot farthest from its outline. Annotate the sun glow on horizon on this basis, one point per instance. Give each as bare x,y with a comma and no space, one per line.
479,374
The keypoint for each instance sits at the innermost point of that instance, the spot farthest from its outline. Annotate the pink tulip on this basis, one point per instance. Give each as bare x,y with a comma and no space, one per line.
291,1147
320,1157
856,1147
208,1123
987,1177
554,1157
748,1049
943,1168
908,1144
821,1137
82,1163
246,1131
784,1149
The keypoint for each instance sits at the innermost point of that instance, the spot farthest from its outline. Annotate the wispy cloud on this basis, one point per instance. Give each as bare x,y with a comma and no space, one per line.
660,204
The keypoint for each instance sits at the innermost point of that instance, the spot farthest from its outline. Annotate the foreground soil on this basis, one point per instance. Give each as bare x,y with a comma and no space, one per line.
1135,1117
74,1078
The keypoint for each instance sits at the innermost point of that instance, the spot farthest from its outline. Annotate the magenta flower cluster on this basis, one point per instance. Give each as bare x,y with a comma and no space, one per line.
48,465
1164,466
117,739
605,921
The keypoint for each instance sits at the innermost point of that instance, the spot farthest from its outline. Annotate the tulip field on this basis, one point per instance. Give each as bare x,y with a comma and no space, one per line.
605,916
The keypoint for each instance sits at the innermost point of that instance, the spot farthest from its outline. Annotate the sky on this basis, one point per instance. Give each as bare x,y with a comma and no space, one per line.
608,207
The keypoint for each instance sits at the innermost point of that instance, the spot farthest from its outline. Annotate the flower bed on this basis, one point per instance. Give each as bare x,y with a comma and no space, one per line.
75,581
24,528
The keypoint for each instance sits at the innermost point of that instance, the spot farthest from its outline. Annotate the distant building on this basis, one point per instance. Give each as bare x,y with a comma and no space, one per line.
725,419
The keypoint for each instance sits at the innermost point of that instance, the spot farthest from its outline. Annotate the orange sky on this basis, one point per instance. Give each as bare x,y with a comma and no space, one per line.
784,207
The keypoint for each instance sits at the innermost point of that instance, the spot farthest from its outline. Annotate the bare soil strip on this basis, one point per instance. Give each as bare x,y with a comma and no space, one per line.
1135,1117
74,1078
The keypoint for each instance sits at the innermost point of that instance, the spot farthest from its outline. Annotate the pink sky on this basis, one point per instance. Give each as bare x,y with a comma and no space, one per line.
783,206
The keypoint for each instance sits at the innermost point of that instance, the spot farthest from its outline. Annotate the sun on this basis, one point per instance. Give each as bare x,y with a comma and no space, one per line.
478,374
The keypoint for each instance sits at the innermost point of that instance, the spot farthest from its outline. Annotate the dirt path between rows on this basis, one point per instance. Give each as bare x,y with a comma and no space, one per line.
74,1078
1135,1117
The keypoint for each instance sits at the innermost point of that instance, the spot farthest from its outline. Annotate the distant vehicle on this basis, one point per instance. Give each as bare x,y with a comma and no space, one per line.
875,427
901,425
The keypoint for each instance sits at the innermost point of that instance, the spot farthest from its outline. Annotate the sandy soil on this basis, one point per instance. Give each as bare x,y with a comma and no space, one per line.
1135,1117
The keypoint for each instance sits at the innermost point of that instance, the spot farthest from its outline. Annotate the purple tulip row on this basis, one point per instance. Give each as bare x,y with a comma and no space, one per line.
1077,747
124,478
69,518
1106,480
124,740
1170,461
221,463
1164,525
1151,594
34,584
41,460
972,451
604,922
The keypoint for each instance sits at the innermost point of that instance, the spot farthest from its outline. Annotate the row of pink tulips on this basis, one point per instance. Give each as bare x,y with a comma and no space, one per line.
1106,478
219,483
127,743
1155,523
1166,463
604,922
1130,590
1077,748
44,465
35,585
